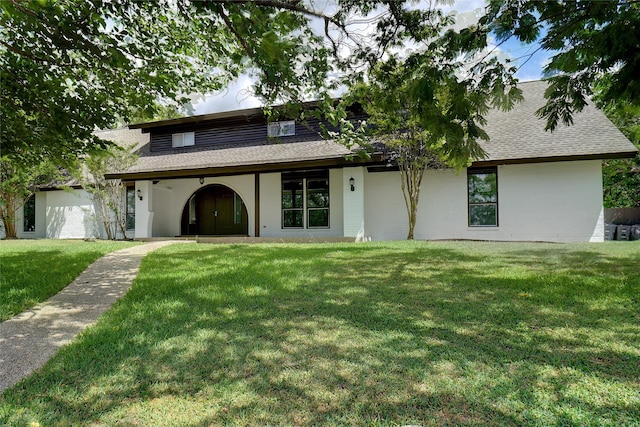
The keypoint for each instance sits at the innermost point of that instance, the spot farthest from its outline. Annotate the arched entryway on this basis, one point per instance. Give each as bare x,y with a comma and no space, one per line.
215,210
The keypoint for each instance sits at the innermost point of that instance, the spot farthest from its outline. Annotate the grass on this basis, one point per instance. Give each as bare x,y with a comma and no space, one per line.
33,270
380,334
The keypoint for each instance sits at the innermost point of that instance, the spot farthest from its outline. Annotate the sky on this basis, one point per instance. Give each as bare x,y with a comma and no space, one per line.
238,94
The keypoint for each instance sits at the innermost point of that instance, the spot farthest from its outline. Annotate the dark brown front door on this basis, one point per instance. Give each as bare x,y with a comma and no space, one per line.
218,211
223,213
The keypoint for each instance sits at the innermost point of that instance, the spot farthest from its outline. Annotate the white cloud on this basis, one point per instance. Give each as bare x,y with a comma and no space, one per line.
237,96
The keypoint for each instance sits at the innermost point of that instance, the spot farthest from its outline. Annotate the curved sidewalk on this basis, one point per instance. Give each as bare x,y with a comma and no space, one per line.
29,339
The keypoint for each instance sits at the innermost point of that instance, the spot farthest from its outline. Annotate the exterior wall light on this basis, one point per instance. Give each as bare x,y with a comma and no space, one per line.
139,193
352,183
201,180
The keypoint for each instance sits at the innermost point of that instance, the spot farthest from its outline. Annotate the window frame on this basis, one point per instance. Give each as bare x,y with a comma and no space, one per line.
293,208
305,209
483,171
309,209
30,204
281,128
178,139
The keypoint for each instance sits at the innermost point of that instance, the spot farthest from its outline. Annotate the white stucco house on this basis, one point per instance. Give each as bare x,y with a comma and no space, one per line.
220,174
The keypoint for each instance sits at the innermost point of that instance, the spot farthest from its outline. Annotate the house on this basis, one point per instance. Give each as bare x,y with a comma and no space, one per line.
221,174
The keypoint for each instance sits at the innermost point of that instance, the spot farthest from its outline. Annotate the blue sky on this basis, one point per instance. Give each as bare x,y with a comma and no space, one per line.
531,60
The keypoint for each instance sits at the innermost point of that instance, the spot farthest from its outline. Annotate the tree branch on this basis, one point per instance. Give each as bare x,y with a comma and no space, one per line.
229,25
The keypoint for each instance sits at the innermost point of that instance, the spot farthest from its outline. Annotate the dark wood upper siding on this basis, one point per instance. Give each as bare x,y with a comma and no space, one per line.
227,133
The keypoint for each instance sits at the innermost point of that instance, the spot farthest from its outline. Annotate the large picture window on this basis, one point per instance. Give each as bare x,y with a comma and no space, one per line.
29,210
482,187
305,200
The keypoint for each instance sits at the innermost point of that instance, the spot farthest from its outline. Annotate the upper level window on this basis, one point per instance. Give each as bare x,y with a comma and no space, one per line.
482,186
183,139
305,200
29,213
276,129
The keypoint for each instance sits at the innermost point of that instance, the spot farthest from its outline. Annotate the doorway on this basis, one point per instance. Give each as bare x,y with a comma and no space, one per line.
215,210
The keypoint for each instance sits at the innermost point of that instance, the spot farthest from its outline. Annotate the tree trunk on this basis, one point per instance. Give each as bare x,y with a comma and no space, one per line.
9,225
411,180
9,208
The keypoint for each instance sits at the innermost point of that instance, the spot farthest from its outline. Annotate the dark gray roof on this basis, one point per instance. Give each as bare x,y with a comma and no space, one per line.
125,137
517,136
242,156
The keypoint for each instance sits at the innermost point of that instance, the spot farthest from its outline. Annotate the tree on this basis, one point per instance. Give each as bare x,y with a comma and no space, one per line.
17,184
589,39
68,67
621,177
108,194
427,106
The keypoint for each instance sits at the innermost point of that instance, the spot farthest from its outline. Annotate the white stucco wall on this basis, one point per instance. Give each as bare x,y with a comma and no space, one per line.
70,215
271,208
560,202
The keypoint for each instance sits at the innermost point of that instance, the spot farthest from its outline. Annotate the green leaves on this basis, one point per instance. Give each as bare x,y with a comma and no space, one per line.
591,38
69,66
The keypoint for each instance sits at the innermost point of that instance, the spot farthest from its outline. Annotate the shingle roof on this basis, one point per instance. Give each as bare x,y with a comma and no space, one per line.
516,136
124,137
519,135
252,155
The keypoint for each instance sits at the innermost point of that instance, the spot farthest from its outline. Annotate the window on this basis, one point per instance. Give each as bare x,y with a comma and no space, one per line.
130,208
29,213
276,129
318,202
292,203
482,185
183,139
305,200
237,208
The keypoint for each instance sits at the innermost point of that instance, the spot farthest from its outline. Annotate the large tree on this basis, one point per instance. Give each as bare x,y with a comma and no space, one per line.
427,105
68,67
588,39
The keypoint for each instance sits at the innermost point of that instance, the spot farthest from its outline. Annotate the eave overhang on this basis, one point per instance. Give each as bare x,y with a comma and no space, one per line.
572,158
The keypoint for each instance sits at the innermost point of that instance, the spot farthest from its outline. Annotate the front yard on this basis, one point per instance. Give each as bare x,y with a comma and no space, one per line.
379,334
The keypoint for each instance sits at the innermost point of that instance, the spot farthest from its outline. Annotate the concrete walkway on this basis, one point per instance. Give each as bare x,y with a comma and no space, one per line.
29,339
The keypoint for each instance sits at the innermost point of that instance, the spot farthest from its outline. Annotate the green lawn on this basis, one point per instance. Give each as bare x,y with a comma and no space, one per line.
375,334
33,270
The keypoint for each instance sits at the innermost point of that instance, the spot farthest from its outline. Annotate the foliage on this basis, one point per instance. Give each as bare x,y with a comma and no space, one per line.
18,182
589,39
34,270
427,106
108,194
382,334
68,67
621,177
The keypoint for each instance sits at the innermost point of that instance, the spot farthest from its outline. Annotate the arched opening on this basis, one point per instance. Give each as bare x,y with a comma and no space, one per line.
215,210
